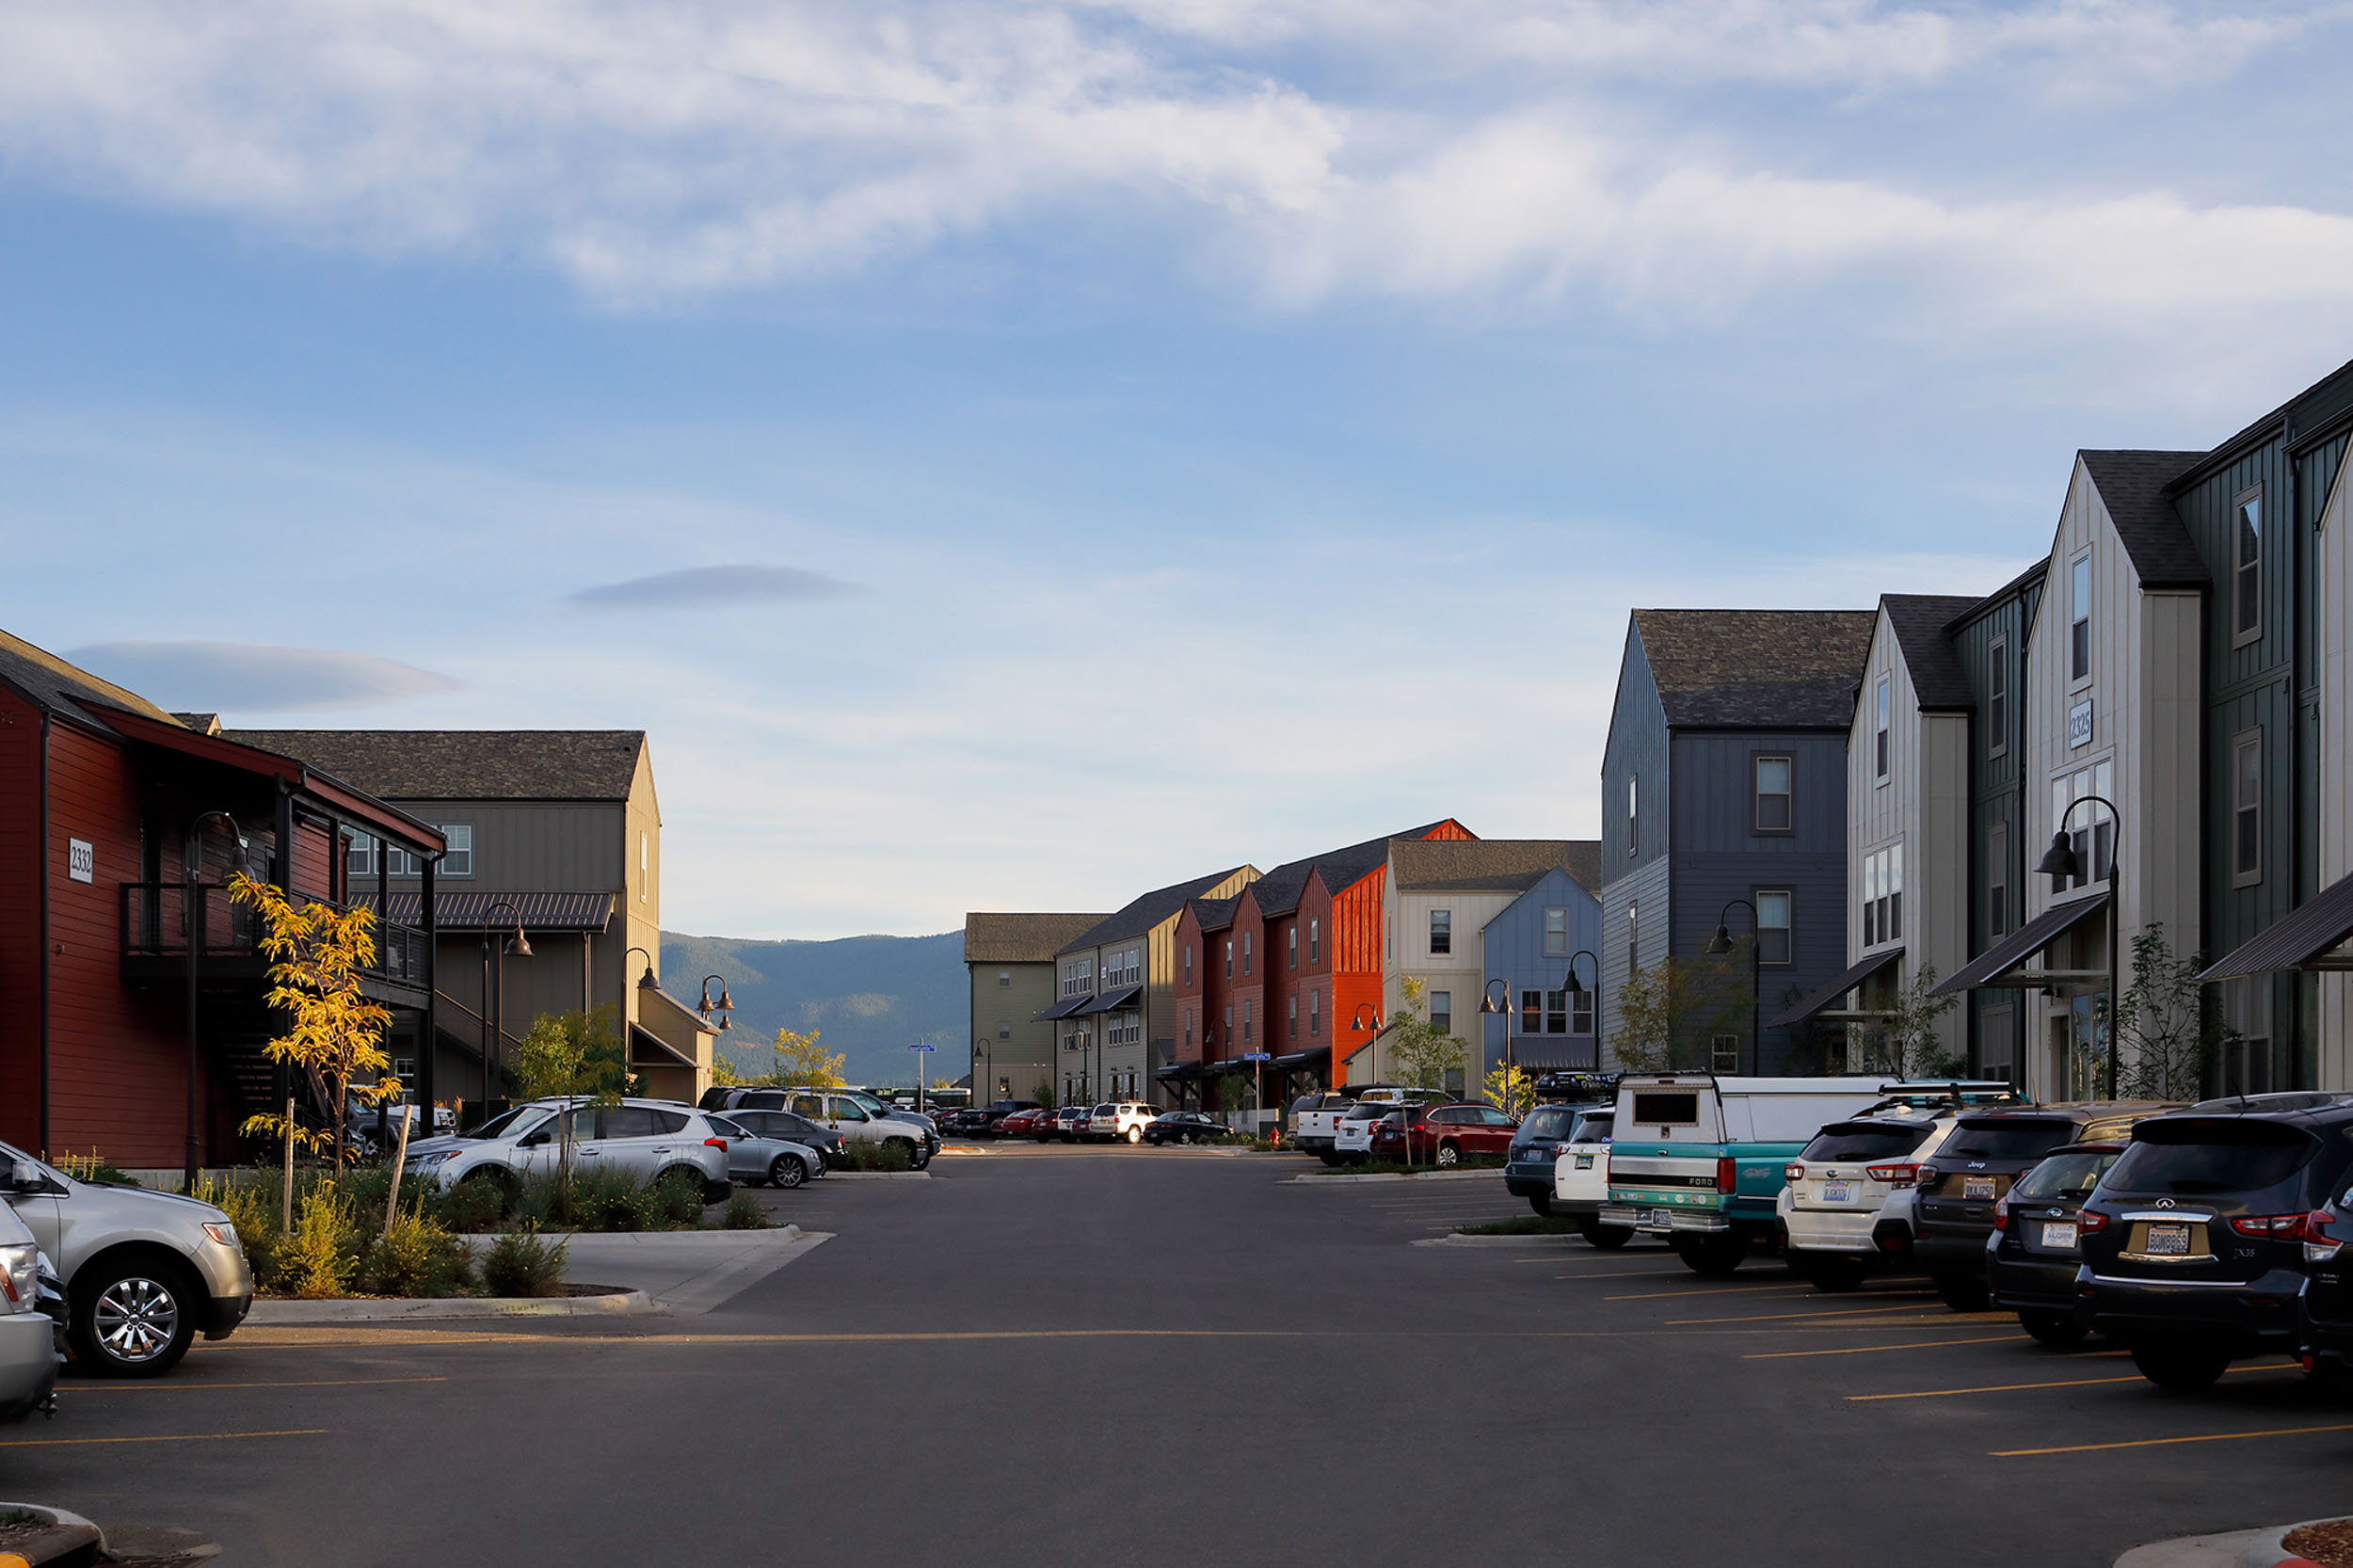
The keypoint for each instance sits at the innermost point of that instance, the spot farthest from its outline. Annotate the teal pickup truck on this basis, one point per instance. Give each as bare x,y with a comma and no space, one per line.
1700,1159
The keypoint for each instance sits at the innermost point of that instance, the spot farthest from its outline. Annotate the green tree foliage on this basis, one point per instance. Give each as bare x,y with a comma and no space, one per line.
573,1055
1424,1055
2169,1032
1669,1011
1905,1043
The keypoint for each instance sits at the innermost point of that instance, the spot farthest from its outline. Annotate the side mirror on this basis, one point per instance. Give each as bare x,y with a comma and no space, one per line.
24,1176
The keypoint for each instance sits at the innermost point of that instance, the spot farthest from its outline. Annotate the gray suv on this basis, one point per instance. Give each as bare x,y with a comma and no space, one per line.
29,1346
645,1138
145,1272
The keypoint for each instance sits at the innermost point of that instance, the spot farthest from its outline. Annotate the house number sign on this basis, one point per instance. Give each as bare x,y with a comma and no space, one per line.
2079,725
81,860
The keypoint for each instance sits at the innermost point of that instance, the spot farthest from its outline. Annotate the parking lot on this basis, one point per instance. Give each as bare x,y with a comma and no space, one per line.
1127,1354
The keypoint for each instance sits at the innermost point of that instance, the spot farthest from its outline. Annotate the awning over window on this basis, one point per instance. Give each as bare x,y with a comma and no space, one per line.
1182,1069
1112,1000
1552,1053
1991,968
470,911
1824,997
1300,1058
1062,1009
2304,938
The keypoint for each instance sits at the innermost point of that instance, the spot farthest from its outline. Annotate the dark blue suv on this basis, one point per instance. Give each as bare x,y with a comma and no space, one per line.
1527,1169
2193,1243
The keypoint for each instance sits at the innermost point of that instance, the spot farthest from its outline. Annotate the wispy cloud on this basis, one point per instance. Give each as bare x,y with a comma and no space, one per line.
257,677
698,586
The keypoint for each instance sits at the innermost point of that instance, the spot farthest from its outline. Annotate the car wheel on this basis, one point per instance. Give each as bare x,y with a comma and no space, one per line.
787,1172
1827,1271
1962,1292
1329,1159
1448,1155
133,1319
1712,1256
2062,1331
1135,1135
2182,1366
1542,1203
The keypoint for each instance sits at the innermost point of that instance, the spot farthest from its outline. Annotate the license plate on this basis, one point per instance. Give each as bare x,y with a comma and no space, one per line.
2061,1236
1838,1192
2169,1241
1977,1187
1584,1162
1662,1216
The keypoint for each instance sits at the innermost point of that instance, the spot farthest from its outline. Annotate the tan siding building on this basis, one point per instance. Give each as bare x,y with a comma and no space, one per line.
1009,962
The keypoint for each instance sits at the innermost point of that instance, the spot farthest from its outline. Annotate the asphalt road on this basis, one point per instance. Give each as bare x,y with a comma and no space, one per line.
1135,1356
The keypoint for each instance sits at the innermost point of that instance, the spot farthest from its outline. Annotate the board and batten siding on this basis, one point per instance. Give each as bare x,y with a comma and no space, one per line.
1645,892
1997,631
1513,946
2333,597
1636,749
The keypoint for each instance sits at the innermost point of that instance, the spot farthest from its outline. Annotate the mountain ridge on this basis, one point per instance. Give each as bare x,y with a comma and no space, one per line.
869,996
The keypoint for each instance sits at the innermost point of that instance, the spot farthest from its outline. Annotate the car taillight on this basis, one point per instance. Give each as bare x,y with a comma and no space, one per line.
1794,1171
1929,1176
2275,1227
2090,1220
2001,1214
714,1142
1901,1175
1727,1174
2320,1242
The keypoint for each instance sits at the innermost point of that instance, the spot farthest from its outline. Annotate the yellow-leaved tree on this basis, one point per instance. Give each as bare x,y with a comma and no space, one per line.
1512,1090
802,1063
335,1038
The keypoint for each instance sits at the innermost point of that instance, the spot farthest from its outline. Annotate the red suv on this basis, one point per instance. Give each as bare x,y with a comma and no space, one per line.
1443,1134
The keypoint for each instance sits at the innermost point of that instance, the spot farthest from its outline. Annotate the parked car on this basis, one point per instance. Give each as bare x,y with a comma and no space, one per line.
1444,1135
2031,1254
1069,1124
852,1113
1316,1121
1020,1124
793,1128
1580,1178
1528,1171
1182,1127
754,1157
2329,1299
1119,1121
1352,1138
1972,1170
2194,1241
1837,1204
28,1337
145,1272
648,1140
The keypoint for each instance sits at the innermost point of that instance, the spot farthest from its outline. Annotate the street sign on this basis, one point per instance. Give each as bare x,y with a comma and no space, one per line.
921,1046
1254,1056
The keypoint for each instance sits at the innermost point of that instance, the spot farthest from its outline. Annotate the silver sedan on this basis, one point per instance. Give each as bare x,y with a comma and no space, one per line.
754,1159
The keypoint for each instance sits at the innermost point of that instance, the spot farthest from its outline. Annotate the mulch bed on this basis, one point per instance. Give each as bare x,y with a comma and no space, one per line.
2329,1545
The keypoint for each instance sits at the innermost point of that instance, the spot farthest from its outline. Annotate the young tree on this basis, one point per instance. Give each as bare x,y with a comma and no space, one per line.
1651,1003
804,1064
1905,1043
571,1055
1512,1090
1424,1056
2168,1033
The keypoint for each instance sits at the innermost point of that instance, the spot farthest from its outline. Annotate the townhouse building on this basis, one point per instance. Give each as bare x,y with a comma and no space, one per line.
1530,951
1011,978
1724,807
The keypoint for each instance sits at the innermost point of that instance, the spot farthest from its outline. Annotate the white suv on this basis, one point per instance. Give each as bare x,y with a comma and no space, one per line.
647,1138
1848,1198
1119,1122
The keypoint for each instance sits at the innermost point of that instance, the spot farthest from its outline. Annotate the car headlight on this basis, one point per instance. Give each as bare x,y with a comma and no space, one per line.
224,1234
426,1161
20,1264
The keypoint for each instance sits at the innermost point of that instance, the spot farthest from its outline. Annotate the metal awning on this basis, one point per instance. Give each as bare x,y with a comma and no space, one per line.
648,1049
1551,1053
1300,1058
465,911
1182,1069
2304,938
1111,1001
1062,1009
1990,969
1824,996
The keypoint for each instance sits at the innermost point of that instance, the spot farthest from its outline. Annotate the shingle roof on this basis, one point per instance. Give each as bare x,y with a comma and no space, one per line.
1277,892
992,938
1142,914
2132,485
1919,621
1513,865
1214,914
66,688
1757,670
1979,606
467,764
204,724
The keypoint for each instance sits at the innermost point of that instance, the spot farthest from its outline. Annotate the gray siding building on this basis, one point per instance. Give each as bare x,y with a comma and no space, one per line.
1009,961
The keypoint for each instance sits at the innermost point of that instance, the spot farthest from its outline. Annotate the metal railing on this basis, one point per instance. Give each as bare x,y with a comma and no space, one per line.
155,925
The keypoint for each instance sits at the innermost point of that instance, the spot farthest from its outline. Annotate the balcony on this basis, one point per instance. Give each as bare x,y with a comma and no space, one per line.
156,946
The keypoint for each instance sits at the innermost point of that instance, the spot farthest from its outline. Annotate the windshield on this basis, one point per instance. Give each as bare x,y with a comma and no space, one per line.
1863,1141
2007,1137
2065,1175
1594,1128
1547,1121
2198,1156
1107,1111
509,1122
868,1103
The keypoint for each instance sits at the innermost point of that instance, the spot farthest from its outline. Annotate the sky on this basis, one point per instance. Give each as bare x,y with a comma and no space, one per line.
1015,456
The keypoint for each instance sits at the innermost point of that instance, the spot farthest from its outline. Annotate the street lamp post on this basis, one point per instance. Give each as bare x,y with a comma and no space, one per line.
192,915
494,989
1719,944
2060,863
1358,1026
1572,986
1487,1004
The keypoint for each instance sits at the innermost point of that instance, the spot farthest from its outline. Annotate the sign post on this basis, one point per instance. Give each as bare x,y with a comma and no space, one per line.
918,1048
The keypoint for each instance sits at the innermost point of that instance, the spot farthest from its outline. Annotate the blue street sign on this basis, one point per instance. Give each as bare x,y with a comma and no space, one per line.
923,1047
1254,1056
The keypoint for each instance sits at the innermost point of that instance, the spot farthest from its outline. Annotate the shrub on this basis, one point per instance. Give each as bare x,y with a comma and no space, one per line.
418,1256
322,1253
678,1198
253,1211
862,1155
523,1263
612,1200
470,1206
743,1213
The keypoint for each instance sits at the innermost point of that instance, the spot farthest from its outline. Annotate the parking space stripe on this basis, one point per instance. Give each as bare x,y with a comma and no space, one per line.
2013,1387
191,1386
1780,1317
1734,1290
2161,1442
177,1437
1866,1349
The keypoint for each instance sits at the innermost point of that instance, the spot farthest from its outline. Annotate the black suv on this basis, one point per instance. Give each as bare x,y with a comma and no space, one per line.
2030,1265
2194,1242
2328,1300
1973,1169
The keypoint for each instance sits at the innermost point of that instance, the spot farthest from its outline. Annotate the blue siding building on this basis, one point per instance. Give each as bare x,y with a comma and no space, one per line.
1529,946
1724,778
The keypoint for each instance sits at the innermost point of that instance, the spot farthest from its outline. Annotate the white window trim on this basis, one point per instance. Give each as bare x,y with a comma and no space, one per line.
2091,619
1997,670
2254,494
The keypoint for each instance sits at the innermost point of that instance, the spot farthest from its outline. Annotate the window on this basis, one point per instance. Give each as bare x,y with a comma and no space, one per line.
2079,622
360,858
1997,700
1189,1029
1997,880
2247,569
1229,959
460,861
1315,941
1556,934
1532,1012
1442,1012
1882,896
1290,949
1441,930
1245,1020
1556,1012
1004,1032
1230,1020
1772,794
1581,1011
2247,808
1290,1022
1632,938
1725,1052
1315,1013
1187,963
1880,709
1772,927
1633,815
1245,952
2092,830
645,862
1004,978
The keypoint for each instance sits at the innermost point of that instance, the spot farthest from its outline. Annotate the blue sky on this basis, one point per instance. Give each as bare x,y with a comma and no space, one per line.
1146,433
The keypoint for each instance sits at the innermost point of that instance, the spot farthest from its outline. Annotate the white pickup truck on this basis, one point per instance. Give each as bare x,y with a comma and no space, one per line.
1316,1120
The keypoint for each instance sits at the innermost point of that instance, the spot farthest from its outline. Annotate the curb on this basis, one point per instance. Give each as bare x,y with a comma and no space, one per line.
623,1304
878,1175
2255,1548
70,1539
1315,1179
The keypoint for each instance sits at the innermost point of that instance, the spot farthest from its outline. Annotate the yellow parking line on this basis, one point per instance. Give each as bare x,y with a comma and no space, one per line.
178,1386
1780,1317
1866,1349
2161,1442
182,1437
1735,1289
2065,1383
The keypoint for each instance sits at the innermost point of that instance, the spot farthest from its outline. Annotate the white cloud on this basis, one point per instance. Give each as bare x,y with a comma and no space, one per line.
264,678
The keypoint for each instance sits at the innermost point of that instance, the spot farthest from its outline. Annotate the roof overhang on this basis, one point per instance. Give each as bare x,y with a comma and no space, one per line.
1062,1009
1822,997
2310,937
469,910
1548,1053
1297,1057
648,1049
1112,1000
1997,967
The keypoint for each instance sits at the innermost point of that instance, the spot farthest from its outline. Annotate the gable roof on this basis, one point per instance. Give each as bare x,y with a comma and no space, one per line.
2132,485
1278,891
2015,585
67,690
1215,914
1757,670
1918,621
468,764
1142,914
995,938
1492,865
